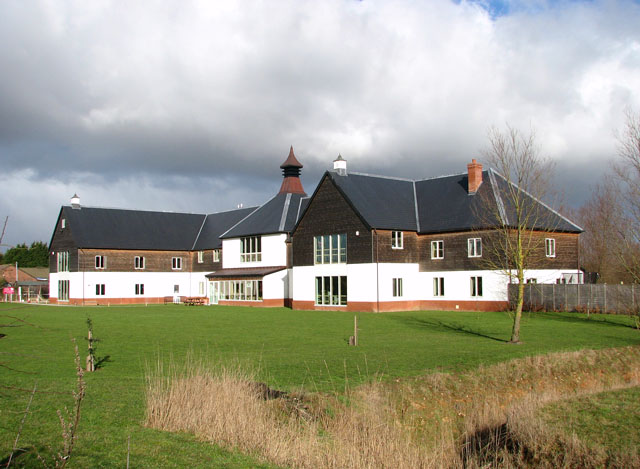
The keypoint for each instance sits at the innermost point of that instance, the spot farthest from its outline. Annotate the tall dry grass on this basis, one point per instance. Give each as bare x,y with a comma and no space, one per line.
484,418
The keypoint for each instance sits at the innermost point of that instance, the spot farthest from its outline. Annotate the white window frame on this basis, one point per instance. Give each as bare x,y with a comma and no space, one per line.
330,249
63,290
325,294
437,249
200,257
397,287
240,290
100,289
63,261
101,262
251,249
476,287
139,289
176,263
200,288
438,286
138,262
474,247
550,247
63,223
216,255
397,240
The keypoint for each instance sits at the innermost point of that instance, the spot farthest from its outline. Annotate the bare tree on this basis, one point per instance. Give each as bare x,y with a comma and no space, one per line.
514,210
627,174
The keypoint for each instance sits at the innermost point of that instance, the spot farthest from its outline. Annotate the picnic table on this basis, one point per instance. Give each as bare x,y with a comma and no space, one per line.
194,301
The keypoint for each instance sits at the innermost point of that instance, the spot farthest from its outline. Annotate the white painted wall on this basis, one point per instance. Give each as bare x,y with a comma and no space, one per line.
122,284
275,286
274,252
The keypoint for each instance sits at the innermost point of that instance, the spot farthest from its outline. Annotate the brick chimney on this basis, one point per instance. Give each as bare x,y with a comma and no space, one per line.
291,172
475,176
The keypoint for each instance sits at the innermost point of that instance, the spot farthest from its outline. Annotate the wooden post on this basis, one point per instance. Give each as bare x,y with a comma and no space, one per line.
91,366
355,331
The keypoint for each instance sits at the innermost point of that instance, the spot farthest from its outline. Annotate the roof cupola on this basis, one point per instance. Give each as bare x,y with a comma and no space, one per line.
291,173
75,201
340,165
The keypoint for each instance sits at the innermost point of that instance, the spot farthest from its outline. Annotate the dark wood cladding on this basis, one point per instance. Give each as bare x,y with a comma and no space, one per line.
62,241
207,264
123,261
329,213
456,252
410,252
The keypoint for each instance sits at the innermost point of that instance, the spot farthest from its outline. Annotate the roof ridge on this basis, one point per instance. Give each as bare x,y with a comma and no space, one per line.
84,207
442,176
374,175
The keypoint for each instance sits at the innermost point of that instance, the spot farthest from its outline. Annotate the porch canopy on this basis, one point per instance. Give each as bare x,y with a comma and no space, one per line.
243,272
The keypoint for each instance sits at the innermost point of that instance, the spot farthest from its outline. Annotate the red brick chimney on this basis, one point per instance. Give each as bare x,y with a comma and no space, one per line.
475,176
291,172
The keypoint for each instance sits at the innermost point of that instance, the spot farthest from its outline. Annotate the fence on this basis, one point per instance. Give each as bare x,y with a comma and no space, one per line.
579,297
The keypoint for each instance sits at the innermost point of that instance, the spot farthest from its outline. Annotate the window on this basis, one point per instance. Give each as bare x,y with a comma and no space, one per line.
330,249
176,289
476,286
531,280
397,287
139,288
63,290
176,263
99,289
216,255
331,291
138,262
550,247
251,249
63,262
438,286
240,290
474,246
396,240
200,257
437,249
101,262
200,288
63,223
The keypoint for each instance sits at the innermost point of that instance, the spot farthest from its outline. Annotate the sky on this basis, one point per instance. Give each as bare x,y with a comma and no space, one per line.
192,105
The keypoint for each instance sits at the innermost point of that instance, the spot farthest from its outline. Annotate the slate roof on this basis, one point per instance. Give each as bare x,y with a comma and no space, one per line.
278,215
105,228
436,205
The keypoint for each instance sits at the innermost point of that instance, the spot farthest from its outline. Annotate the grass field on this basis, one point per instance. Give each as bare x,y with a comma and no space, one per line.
289,349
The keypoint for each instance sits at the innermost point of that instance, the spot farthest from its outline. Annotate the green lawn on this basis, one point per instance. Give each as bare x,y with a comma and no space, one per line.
291,349
610,419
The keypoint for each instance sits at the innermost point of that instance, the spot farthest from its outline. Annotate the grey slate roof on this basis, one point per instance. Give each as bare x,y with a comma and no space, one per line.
278,215
434,205
105,228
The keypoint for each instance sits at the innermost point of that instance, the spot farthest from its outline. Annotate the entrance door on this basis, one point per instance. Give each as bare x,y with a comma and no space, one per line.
214,295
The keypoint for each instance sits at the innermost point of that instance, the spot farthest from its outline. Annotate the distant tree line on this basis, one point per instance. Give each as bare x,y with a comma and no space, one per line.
36,255
610,244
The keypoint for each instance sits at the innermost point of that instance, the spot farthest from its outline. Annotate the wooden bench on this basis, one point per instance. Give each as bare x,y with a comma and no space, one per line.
194,301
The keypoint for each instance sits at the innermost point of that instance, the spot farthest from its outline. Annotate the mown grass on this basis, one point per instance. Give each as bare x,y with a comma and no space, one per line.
610,419
288,349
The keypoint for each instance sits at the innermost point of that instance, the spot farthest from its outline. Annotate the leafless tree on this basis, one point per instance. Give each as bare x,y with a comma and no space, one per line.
514,208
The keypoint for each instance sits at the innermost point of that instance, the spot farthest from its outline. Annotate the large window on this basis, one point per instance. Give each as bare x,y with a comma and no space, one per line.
63,262
437,249
176,263
139,290
438,286
397,287
550,247
240,290
474,246
138,262
330,249
396,240
476,286
331,291
101,262
100,289
63,290
251,249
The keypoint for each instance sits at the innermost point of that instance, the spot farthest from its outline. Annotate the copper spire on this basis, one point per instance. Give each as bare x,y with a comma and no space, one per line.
291,172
